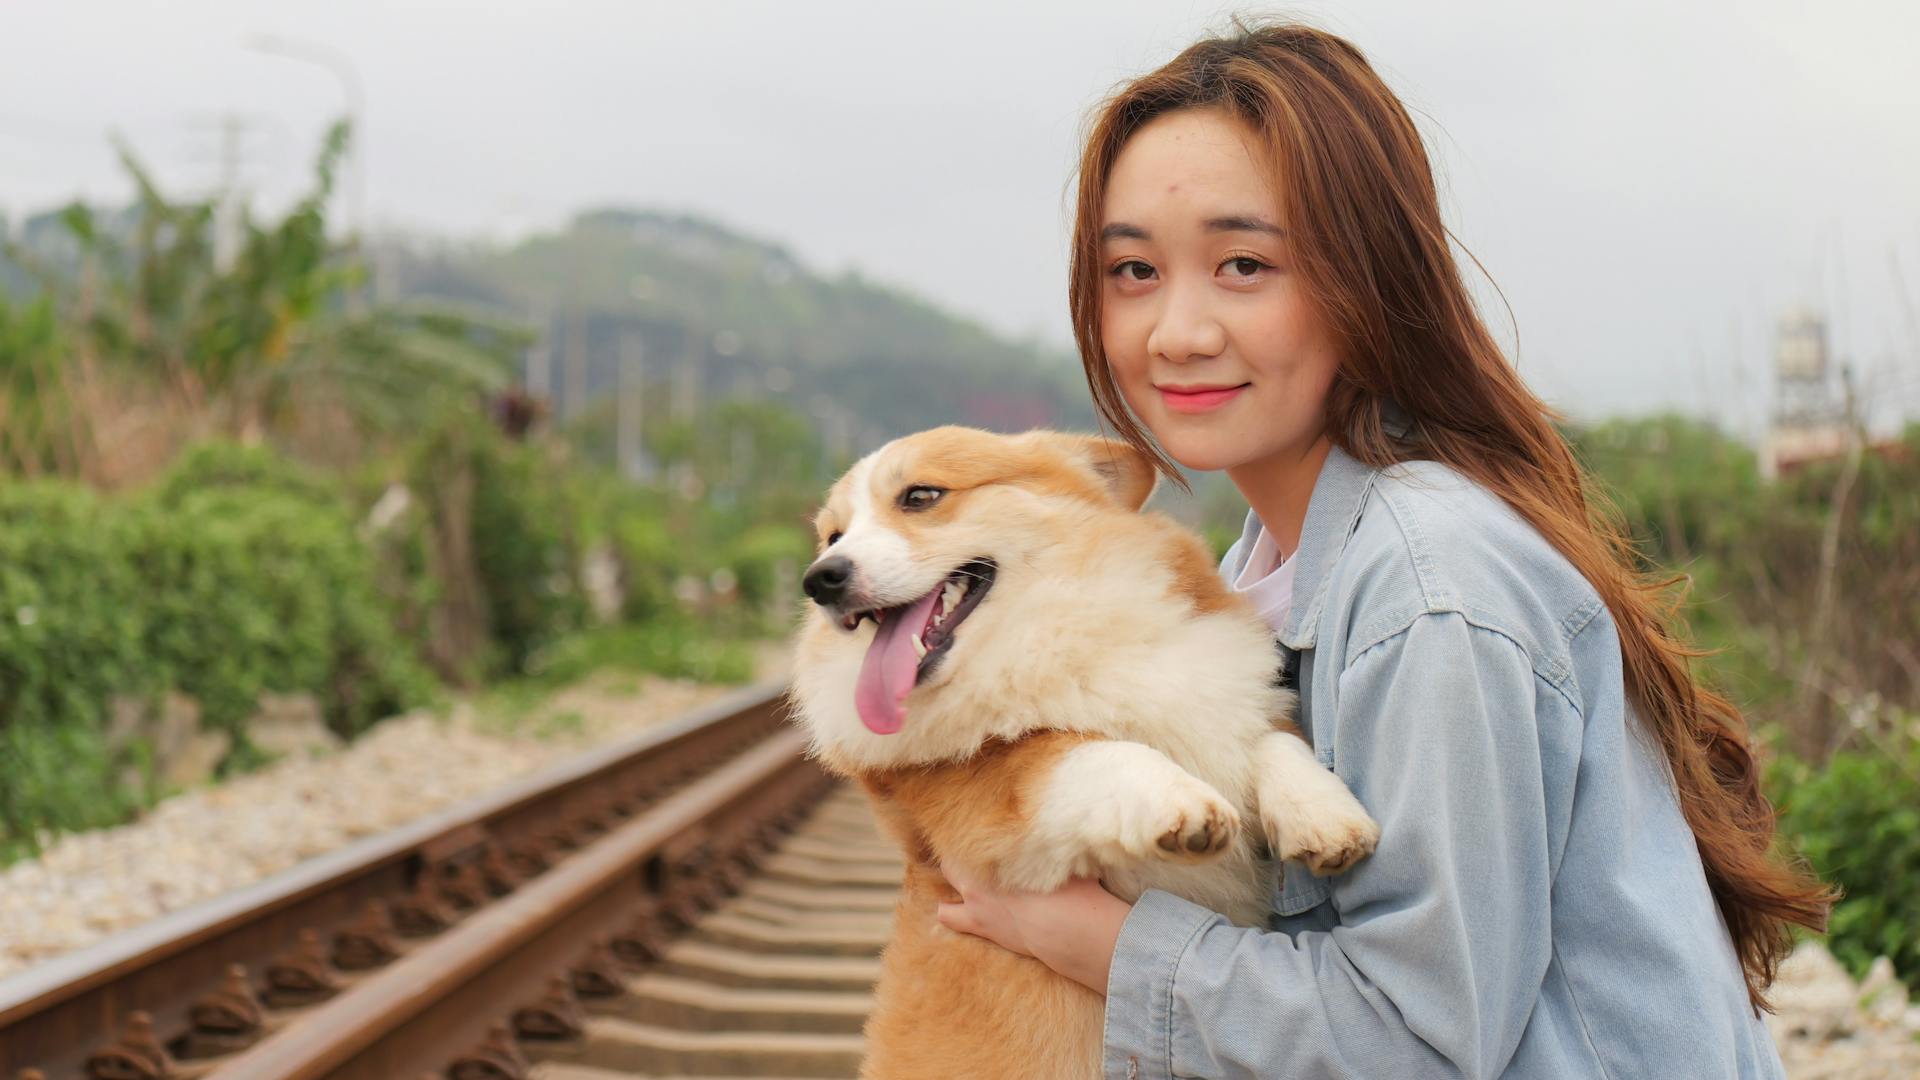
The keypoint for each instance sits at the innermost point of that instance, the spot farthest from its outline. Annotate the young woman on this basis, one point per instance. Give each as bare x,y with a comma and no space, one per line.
1575,875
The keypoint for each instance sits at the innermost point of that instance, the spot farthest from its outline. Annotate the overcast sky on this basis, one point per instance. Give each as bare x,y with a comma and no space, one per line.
1651,184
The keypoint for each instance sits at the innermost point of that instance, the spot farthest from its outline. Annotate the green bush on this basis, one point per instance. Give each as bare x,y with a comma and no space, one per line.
219,591
768,559
64,778
522,550
219,465
72,626
1857,820
253,590
650,562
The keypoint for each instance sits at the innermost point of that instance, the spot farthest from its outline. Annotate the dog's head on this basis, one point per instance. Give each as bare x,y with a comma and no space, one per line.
918,542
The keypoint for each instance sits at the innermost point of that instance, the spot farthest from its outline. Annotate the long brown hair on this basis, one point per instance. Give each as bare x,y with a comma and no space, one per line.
1364,227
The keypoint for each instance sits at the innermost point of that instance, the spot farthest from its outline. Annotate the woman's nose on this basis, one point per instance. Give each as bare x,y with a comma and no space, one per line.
1187,329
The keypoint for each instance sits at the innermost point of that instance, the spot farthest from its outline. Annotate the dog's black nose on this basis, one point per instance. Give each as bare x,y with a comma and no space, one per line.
827,582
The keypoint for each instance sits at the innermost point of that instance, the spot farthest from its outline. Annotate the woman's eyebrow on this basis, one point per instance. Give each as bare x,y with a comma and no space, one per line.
1244,223
1120,230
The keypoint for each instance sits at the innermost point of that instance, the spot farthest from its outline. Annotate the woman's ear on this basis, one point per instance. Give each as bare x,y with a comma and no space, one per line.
1128,474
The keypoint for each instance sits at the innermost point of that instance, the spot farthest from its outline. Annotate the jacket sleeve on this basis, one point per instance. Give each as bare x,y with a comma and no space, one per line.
1443,938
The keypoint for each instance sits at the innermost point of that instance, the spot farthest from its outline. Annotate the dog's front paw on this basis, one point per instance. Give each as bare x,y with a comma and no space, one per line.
1328,832
1115,803
1185,819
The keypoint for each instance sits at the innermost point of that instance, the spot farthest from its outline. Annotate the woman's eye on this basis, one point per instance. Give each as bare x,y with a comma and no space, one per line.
1133,270
919,497
1246,265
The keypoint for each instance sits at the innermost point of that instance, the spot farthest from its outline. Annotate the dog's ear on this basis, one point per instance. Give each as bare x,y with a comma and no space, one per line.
1128,474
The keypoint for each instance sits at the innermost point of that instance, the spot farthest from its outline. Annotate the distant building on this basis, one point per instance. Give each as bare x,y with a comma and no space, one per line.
1810,416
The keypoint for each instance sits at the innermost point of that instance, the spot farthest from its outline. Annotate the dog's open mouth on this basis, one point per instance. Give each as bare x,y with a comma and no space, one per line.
909,640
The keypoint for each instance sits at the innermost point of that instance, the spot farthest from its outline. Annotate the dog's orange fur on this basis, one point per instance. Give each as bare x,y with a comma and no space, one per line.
970,812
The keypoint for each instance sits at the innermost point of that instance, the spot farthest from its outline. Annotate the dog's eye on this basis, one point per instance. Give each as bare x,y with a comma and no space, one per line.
834,539
919,497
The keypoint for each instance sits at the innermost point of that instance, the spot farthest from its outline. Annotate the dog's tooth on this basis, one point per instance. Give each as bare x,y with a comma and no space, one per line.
919,647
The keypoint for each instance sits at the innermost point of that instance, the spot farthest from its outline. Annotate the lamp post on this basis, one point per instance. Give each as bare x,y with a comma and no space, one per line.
342,68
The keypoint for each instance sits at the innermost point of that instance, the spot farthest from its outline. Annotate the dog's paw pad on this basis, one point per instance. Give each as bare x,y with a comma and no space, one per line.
1209,833
1188,820
1326,840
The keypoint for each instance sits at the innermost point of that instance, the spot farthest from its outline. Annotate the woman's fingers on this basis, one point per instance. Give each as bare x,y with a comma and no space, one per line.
957,918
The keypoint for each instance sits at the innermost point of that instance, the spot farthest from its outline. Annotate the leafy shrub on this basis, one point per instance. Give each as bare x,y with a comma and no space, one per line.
522,549
219,465
766,562
72,630
650,562
64,777
70,637
252,590
1857,820
221,592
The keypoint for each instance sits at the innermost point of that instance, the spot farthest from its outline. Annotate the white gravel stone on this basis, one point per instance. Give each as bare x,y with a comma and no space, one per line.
209,840
1830,1029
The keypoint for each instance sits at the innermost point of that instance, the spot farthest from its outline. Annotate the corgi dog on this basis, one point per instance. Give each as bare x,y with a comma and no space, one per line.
1033,679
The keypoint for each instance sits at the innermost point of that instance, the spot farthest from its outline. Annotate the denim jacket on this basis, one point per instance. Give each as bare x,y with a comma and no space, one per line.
1536,907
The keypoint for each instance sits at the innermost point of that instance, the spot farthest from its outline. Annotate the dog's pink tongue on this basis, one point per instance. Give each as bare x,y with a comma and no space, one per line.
887,674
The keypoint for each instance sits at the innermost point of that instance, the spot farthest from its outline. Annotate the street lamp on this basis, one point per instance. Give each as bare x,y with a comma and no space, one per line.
342,68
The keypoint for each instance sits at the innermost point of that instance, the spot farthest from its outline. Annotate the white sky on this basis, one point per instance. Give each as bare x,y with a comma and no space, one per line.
1651,184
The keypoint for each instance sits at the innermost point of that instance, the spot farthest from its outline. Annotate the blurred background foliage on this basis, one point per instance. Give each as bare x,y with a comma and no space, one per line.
228,469
233,463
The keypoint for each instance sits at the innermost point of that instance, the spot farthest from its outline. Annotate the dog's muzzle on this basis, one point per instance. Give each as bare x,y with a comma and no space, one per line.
827,580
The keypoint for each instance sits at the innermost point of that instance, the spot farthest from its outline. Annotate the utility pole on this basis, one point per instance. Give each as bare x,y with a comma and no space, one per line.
686,377
226,236
230,155
539,372
574,375
628,416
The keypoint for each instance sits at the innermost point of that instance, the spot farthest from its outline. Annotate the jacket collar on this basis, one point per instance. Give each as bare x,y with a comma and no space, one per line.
1332,512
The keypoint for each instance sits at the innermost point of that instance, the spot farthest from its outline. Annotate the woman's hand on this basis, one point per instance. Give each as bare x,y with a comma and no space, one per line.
1071,930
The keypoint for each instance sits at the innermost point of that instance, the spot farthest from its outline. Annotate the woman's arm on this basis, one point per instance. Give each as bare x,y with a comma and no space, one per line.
1444,934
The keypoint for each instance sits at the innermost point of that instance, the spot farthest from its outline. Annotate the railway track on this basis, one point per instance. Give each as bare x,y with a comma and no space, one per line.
697,901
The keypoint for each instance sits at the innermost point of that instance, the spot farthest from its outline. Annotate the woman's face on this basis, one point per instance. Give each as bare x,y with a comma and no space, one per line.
1208,330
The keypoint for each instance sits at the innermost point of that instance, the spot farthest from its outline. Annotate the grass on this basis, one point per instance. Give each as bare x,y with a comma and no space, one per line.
676,648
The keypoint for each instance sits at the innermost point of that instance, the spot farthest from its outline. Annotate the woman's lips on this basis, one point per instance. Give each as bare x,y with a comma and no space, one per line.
1197,401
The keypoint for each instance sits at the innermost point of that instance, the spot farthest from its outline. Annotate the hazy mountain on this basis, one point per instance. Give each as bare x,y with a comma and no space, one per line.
703,311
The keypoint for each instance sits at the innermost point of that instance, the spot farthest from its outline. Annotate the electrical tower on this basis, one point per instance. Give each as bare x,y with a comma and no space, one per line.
1810,416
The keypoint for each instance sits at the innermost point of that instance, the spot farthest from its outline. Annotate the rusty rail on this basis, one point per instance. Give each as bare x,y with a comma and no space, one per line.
173,988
